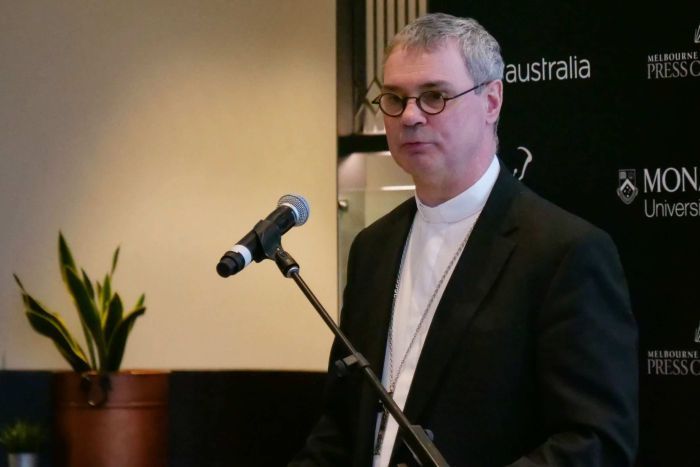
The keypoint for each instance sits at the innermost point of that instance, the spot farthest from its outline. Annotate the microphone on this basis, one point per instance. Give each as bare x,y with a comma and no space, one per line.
291,210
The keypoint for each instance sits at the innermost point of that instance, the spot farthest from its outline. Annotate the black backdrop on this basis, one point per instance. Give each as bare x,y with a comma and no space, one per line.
634,115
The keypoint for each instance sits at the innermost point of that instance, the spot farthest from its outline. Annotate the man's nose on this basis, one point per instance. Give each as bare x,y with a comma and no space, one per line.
412,114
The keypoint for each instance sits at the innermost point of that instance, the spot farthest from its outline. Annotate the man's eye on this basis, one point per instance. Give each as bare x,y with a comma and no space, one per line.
431,98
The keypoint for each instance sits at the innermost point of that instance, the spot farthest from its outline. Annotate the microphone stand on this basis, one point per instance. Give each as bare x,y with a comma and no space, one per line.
415,437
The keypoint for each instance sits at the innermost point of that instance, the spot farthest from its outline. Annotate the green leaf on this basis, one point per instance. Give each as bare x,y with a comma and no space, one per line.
90,344
44,325
118,340
32,305
91,292
115,257
65,257
141,300
22,436
19,282
51,325
87,311
101,315
106,292
88,285
113,316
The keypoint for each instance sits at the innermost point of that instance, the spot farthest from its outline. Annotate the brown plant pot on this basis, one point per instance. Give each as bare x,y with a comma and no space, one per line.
111,420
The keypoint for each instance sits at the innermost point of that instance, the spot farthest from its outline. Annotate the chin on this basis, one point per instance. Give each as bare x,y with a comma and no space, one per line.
416,164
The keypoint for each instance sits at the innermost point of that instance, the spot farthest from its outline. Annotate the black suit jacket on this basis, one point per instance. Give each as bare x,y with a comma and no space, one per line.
530,359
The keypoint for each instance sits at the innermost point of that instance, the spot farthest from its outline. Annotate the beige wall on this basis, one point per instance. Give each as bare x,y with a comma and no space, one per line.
169,127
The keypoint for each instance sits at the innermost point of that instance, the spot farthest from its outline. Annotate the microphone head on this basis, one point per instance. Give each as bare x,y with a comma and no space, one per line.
298,205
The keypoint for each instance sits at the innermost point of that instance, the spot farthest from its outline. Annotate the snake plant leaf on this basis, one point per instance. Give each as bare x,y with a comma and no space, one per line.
115,257
67,262
113,316
101,313
32,305
88,312
118,340
63,339
106,292
142,299
65,258
88,285
90,343
43,324
19,283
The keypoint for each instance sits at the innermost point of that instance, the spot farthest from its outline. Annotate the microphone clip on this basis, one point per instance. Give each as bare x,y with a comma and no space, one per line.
269,238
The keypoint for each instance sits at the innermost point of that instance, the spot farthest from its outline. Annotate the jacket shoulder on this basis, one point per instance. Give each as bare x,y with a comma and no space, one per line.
399,217
541,220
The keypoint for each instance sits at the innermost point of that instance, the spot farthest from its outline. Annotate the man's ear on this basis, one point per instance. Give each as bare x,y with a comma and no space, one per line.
494,100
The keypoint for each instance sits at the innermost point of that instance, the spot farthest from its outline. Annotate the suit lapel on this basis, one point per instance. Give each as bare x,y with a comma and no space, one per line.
386,255
387,258
485,254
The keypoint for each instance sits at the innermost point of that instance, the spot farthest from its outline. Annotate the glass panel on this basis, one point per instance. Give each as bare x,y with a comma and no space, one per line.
370,184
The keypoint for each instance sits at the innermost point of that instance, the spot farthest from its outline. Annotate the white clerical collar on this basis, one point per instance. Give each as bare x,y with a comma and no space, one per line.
465,204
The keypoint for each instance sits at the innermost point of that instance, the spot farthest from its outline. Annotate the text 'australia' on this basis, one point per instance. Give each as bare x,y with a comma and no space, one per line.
548,70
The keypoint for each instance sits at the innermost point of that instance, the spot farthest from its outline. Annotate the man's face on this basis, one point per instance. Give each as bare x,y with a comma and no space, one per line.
441,149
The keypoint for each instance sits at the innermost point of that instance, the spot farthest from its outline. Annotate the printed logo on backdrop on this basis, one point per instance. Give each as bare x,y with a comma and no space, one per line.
544,69
627,185
519,159
526,162
657,186
676,63
675,362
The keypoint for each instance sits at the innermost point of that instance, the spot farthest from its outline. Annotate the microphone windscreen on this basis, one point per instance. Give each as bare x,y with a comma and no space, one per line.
299,205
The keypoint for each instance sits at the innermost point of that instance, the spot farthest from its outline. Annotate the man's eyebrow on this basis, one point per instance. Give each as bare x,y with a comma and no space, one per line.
423,87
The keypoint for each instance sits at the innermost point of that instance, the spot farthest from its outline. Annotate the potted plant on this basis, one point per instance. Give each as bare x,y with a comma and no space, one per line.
101,312
22,440
103,416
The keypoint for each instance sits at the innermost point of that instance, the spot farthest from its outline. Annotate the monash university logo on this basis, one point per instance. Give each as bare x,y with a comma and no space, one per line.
657,185
697,35
697,334
627,185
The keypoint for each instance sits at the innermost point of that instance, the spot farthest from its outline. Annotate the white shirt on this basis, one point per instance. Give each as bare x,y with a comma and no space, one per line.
436,237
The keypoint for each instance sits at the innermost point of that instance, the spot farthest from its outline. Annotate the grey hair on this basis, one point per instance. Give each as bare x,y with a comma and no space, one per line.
480,50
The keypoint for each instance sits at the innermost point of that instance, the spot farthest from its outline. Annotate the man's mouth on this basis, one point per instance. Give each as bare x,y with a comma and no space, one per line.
414,144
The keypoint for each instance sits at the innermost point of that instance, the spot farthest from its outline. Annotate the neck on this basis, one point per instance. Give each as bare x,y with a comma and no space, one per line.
434,192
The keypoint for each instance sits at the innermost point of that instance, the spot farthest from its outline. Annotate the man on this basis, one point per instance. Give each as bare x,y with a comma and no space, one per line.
510,335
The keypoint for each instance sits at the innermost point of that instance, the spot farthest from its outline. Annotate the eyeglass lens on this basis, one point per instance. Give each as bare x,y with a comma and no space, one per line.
430,102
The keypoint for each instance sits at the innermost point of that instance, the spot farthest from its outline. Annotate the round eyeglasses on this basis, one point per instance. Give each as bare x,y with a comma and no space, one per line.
430,102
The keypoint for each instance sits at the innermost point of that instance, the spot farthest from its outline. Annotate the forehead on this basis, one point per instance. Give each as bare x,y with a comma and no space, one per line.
409,68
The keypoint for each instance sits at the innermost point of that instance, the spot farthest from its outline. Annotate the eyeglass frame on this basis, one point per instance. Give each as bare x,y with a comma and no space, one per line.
404,100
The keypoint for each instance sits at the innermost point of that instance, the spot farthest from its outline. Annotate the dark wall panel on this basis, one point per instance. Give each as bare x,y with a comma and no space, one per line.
217,418
605,97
